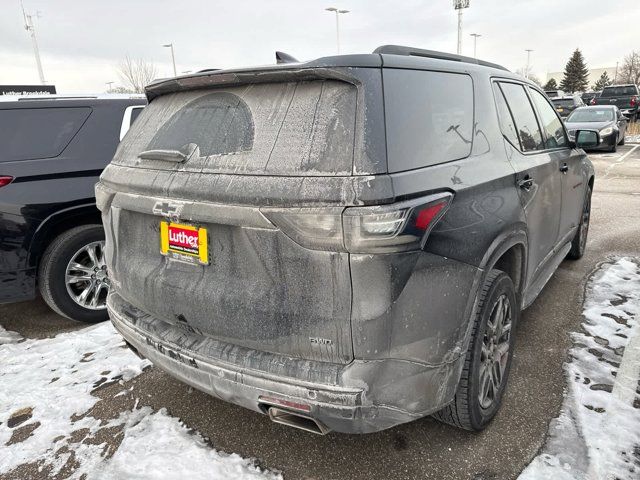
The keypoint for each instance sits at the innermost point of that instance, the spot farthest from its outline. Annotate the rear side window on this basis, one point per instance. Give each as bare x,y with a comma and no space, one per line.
134,114
506,120
550,121
32,133
619,91
523,116
429,117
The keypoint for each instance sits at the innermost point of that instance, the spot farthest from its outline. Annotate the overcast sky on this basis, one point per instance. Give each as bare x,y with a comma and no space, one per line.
82,41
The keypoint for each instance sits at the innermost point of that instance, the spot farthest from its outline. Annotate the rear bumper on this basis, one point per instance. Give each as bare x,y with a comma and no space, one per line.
361,397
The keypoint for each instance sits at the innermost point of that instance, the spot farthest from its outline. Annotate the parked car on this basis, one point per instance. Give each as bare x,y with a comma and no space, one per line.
300,241
554,93
588,97
625,97
607,120
566,105
52,150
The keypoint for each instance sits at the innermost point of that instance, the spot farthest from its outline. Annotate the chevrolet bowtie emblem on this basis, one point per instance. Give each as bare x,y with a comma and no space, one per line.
168,209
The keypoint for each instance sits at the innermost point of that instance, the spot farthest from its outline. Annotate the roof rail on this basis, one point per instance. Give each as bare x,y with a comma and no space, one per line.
419,52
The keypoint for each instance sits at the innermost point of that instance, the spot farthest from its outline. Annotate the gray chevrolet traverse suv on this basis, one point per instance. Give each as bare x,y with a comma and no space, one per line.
343,244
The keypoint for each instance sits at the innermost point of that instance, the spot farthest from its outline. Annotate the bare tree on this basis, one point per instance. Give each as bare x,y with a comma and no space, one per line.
629,72
531,76
136,73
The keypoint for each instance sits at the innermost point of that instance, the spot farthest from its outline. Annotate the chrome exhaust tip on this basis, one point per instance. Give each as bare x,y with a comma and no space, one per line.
295,420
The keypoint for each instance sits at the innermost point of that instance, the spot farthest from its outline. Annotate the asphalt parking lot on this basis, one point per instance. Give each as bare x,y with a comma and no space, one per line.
425,448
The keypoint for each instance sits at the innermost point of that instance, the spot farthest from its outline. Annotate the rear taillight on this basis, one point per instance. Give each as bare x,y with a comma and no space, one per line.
634,101
5,180
593,101
387,228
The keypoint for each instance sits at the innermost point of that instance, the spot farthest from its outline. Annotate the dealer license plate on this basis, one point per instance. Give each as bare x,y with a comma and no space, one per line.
184,242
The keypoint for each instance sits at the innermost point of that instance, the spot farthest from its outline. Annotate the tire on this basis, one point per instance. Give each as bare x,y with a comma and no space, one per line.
467,410
621,142
579,242
614,148
52,274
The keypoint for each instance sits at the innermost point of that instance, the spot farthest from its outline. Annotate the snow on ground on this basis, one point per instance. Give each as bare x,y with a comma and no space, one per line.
632,139
45,420
9,337
597,435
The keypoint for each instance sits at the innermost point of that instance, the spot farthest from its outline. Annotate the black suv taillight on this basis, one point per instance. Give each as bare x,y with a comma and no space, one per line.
378,229
5,180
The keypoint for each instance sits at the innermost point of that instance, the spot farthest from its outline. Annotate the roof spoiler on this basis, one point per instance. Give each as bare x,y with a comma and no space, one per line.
419,52
282,57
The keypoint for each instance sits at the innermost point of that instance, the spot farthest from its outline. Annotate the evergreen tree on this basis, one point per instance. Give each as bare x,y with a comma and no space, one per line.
551,84
576,74
603,81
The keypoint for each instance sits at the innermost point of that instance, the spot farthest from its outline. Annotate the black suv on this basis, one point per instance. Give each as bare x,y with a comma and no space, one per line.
343,244
52,150
566,105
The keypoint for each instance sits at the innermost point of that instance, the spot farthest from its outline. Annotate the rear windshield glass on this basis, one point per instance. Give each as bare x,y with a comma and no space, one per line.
292,128
619,91
32,133
563,103
591,115
219,123
429,117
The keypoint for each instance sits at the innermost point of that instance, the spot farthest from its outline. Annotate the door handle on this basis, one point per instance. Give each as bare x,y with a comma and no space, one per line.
526,183
564,168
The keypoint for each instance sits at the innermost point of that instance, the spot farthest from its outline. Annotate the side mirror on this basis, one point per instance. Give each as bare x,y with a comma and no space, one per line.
586,139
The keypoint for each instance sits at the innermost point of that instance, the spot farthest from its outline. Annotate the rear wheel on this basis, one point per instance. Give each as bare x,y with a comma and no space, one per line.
488,359
73,276
579,242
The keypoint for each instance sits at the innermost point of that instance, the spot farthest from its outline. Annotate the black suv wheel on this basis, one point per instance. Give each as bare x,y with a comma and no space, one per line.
73,276
488,359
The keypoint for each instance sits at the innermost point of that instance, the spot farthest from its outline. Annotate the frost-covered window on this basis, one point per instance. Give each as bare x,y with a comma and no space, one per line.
219,123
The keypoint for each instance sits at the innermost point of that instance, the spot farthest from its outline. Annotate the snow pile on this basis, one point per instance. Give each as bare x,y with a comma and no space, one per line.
45,399
9,337
597,435
632,139
159,447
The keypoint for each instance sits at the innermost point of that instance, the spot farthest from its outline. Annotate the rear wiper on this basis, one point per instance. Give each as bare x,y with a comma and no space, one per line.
177,156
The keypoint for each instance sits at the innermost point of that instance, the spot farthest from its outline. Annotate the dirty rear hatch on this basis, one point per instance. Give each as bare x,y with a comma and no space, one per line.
230,160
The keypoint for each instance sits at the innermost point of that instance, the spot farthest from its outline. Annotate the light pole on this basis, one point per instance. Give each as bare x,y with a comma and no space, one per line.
460,5
475,44
173,58
338,13
526,71
109,86
29,27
